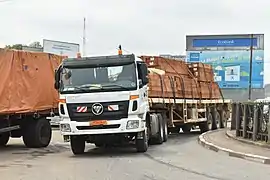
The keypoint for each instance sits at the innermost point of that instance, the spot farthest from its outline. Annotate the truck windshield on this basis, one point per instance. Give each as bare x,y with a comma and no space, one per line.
98,79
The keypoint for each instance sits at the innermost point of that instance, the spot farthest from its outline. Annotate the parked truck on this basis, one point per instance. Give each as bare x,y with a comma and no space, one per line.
27,96
116,99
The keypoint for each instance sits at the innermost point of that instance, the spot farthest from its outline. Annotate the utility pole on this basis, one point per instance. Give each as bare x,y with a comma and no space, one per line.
250,68
84,40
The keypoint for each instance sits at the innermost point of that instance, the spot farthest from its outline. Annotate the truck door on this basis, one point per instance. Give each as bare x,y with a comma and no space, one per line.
143,88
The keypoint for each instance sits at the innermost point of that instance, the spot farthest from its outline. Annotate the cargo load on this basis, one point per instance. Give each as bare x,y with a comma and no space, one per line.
202,72
181,80
27,81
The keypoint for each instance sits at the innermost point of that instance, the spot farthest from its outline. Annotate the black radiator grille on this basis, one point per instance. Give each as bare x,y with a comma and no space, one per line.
86,113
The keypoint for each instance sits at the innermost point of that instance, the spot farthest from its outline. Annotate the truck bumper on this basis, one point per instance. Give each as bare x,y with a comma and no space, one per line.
68,127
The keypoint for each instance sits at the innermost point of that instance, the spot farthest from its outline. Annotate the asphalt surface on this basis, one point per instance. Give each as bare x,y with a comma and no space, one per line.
180,158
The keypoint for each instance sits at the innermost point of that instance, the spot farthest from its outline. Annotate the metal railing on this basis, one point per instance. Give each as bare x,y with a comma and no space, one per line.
251,120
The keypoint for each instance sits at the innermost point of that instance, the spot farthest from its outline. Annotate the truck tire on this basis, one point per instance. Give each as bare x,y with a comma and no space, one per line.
99,144
165,128
160,136
174,130
218,120
222,119
37,133
142,144
207,125
186,128
77,144
4,138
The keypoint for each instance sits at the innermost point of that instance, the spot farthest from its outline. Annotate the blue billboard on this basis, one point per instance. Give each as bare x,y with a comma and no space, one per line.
232,42
231,68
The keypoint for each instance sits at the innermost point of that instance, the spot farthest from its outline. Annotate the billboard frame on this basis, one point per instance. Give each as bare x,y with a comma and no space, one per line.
61,42
191,38
238,54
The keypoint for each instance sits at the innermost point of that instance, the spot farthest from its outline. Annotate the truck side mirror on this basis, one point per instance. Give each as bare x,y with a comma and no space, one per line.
143,73
57,79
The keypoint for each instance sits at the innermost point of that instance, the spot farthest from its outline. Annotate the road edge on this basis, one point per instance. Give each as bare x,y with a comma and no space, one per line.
247,141
230,152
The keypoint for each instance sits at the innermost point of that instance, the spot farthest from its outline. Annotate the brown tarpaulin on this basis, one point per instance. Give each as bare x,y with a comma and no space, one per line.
27,81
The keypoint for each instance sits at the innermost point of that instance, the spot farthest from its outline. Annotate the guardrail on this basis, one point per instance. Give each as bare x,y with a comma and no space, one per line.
251,120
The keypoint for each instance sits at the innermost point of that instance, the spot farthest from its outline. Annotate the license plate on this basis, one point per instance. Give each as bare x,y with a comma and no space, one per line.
98,122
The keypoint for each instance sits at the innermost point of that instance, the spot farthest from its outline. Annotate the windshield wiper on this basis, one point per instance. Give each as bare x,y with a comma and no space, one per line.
115,85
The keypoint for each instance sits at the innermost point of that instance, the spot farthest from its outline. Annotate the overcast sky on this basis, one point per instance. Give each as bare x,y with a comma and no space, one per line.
141,26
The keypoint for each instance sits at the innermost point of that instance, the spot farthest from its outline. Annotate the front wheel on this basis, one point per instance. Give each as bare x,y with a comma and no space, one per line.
142,142
77,144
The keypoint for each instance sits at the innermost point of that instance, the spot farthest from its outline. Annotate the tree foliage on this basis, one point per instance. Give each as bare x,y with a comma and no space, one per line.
35,44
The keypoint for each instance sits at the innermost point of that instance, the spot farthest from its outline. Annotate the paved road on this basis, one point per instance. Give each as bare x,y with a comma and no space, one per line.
180,158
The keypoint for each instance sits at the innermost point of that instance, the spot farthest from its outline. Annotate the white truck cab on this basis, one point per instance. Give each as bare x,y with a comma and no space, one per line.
104,100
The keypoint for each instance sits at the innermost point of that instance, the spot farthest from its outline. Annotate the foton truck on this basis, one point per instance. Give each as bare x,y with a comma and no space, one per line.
27,96
109,100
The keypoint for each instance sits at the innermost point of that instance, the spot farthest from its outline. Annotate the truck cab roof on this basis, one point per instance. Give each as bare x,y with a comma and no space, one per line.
100,61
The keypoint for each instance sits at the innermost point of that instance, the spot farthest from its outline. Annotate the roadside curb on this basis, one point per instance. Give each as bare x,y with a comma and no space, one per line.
230,152
247,141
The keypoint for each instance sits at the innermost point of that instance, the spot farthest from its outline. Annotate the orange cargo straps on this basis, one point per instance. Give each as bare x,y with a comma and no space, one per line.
183,87
161,86
173,88
210,89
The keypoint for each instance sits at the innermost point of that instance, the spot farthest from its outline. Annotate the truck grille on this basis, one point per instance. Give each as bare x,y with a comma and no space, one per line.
82,112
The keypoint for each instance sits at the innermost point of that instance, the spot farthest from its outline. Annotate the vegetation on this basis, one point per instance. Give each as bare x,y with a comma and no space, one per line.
35,44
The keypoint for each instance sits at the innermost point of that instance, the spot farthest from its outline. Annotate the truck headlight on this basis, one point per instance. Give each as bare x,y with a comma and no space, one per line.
65,128
133,124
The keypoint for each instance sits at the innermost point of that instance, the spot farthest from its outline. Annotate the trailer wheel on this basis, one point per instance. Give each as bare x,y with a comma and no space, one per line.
99,144
218,119
222,119
174,130
142,143
207,125
165,128
160,135
77,144
186,128
4,138
37,133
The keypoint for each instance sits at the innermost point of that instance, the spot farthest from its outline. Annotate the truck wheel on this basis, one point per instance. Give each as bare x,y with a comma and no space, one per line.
165,129
142,144
4,138
77,144
174,130
222,119
207,125
160,135
37,133
186,128
99,144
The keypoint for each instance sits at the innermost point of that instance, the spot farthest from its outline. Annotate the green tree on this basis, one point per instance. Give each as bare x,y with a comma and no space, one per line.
14,46
35,44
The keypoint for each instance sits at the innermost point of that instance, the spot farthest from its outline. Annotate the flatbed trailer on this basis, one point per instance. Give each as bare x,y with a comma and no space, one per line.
187,113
